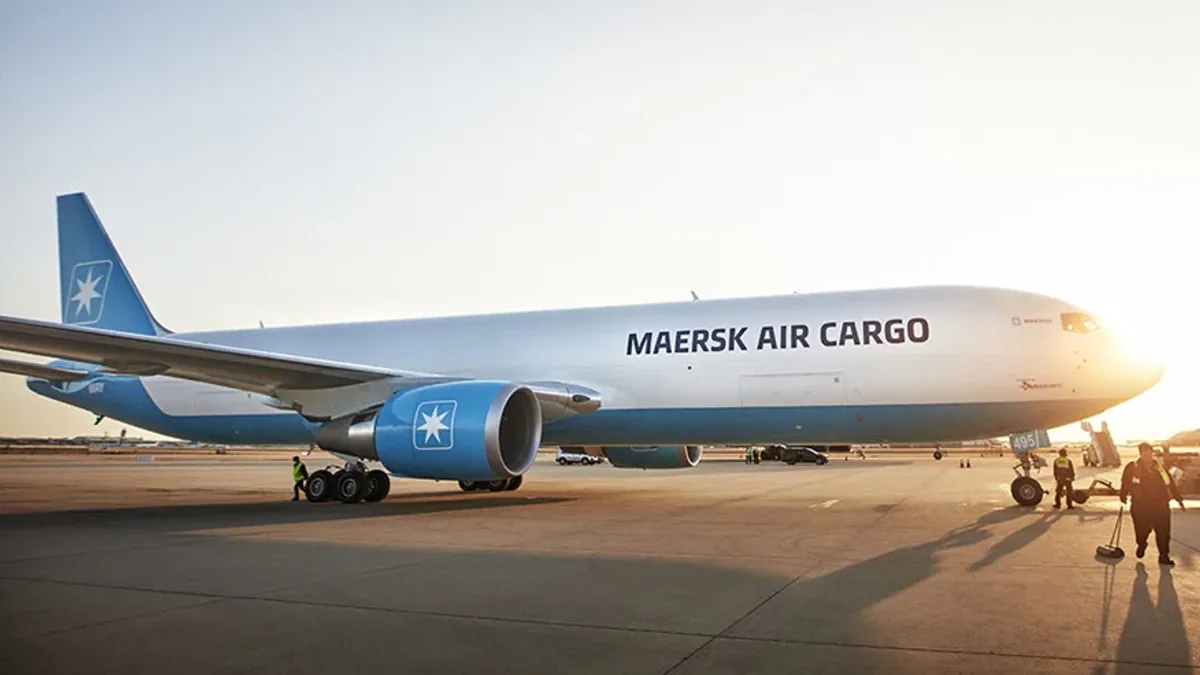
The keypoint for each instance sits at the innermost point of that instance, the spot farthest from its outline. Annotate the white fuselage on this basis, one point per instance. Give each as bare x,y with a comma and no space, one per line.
934,363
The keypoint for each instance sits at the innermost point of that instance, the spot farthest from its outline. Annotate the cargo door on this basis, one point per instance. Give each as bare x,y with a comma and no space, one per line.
800,407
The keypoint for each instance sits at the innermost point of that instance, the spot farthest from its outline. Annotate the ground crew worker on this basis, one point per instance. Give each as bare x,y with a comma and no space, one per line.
1064,474
1152,487
300,476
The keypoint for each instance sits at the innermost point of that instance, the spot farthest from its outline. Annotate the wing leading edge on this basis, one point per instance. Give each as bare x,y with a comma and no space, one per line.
317,388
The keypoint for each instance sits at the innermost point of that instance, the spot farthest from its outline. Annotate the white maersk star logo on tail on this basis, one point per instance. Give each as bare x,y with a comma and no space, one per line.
89,282
433,425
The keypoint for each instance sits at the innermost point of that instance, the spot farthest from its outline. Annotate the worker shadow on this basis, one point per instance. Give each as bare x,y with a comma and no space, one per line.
1154,632
835,608
1016,541
177,517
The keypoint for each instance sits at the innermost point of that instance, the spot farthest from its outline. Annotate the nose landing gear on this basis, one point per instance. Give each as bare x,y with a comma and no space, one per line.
1027,491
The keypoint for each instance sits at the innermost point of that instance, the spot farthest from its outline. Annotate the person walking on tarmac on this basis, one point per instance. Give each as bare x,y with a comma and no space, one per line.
299,476
1064,474
1152,487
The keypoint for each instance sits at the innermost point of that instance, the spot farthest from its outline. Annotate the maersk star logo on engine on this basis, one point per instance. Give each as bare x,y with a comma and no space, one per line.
433,425
89,281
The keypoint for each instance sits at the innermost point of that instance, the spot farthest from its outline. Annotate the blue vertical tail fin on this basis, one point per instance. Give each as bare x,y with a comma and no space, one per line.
96,289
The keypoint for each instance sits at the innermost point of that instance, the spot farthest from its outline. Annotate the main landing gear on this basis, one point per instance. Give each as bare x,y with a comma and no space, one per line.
499,485
348,486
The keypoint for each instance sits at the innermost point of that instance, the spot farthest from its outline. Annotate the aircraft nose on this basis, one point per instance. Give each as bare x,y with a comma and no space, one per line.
1154,371
1144,374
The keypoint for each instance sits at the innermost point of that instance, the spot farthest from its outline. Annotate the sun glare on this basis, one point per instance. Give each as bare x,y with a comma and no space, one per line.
1141,343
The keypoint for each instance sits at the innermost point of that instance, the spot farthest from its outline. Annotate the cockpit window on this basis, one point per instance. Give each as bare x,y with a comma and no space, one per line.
1078,322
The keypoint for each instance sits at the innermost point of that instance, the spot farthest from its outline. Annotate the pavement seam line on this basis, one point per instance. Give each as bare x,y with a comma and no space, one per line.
567,624
735,622
105,622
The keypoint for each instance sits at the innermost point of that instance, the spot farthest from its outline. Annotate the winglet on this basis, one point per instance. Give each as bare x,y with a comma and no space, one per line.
96,289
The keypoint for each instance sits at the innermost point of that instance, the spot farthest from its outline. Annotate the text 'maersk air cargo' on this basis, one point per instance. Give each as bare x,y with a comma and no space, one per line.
472,398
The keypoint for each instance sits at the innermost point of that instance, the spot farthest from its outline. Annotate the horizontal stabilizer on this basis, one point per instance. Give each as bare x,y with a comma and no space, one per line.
39,370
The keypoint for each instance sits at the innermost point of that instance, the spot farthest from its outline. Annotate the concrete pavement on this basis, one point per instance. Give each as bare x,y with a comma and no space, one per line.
888,565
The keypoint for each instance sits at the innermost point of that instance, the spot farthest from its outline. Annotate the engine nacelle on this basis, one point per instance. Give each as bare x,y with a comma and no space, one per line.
471,430
653,456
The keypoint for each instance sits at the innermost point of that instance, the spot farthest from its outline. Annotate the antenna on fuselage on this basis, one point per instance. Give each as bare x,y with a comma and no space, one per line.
694,296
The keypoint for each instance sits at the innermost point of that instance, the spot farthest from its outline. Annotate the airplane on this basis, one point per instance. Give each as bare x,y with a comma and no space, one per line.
472,398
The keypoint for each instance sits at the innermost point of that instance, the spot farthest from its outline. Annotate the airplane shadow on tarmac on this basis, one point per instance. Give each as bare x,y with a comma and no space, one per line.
186,516
420,590
732,466
436,599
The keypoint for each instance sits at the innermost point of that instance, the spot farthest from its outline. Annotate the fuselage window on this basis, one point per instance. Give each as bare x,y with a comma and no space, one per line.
1078,322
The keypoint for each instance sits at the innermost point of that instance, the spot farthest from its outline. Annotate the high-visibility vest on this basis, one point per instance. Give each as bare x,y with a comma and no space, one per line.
1064,462
297,472
1166,478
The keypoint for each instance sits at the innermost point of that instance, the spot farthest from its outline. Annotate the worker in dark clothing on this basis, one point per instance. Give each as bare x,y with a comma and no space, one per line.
1152,487
300,476
1064,474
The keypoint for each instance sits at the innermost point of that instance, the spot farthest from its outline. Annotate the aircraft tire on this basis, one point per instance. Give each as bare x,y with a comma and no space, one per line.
468,485
1027,491
498,485
514,483
351,485
937,454
319,487
378,486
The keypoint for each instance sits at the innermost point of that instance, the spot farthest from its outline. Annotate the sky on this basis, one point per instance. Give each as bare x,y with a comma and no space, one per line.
304,162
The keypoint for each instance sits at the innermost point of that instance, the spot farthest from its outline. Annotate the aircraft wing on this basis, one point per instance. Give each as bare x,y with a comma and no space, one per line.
40,370
317,388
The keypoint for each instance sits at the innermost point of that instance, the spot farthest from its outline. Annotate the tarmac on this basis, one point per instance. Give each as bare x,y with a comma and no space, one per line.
885,565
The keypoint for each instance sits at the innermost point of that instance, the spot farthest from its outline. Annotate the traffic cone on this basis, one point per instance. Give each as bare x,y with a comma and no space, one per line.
968,463
960,464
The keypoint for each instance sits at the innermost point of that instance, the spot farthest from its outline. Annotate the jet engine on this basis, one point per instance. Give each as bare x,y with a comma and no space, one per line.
653,456
470,430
